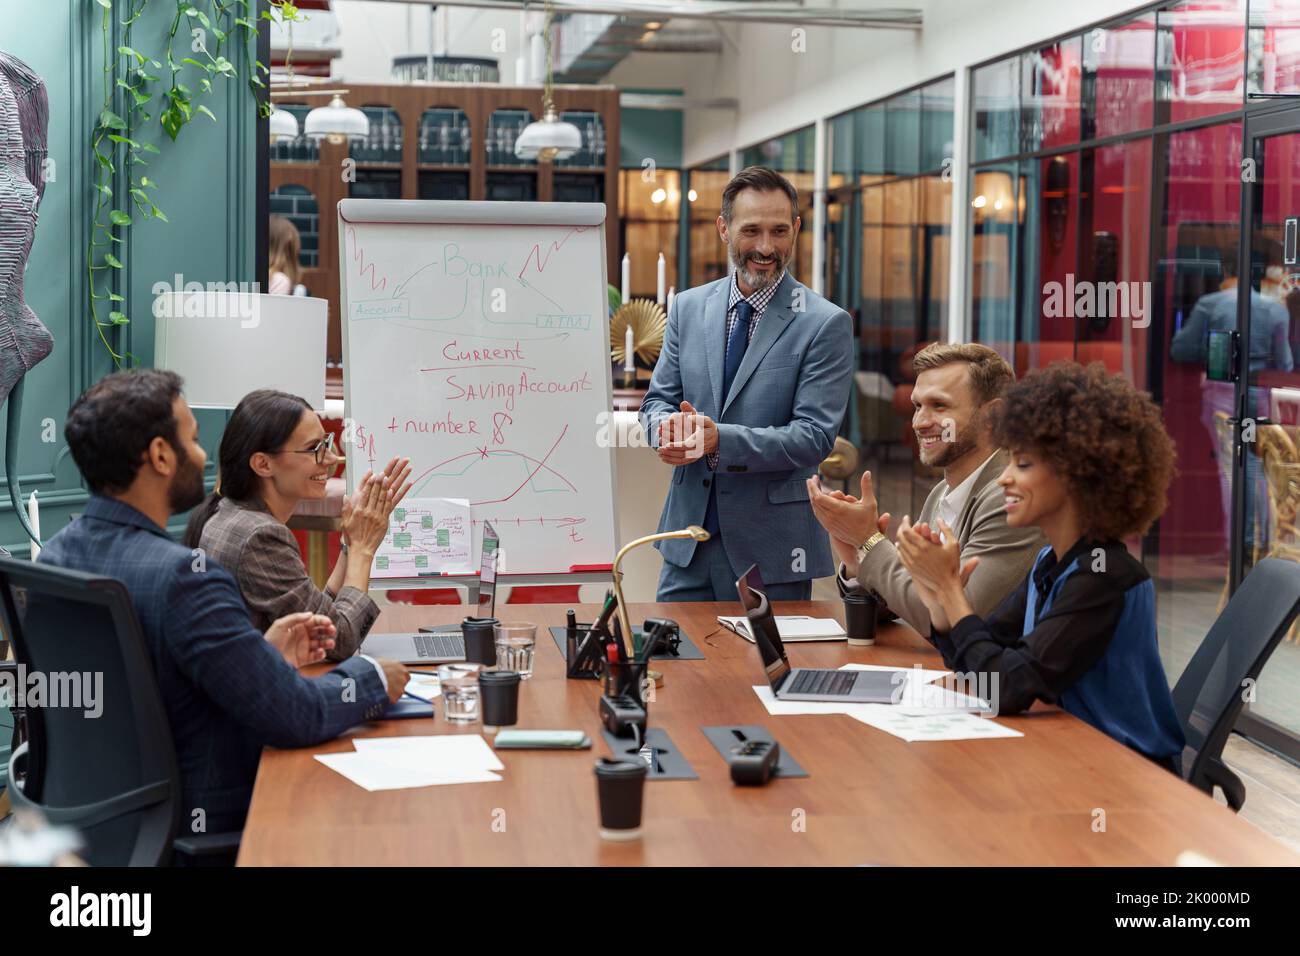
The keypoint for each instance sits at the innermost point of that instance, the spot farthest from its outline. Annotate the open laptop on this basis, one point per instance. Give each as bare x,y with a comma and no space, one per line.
443,643
808,683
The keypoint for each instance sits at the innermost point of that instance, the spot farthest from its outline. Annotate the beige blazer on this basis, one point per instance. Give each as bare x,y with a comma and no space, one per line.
1006,554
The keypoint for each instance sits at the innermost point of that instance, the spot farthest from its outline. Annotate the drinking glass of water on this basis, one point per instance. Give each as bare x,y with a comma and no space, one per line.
460,692
515,646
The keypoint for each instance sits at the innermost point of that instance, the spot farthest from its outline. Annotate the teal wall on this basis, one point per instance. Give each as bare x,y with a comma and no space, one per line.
208,189
650,133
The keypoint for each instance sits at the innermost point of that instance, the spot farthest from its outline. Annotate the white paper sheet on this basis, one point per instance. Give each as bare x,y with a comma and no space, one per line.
453,751
373,774
426,536
932,726
425,688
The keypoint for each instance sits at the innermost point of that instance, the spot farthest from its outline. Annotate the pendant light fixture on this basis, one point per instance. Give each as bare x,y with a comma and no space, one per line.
335,123
549,138
283,125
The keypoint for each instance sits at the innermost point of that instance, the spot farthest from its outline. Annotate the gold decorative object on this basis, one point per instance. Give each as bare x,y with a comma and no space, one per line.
842,462
648,320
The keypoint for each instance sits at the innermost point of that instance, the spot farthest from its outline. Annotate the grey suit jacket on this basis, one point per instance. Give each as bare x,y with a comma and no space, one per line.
775,425
262,554
1006,554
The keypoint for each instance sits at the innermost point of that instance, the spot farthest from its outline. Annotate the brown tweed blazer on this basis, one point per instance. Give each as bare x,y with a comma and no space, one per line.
262,554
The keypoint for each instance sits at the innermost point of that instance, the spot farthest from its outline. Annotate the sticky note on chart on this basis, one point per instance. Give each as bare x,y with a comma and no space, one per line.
426,537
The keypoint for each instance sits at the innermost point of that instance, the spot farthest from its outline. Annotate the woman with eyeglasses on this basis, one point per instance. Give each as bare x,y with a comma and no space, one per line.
275,453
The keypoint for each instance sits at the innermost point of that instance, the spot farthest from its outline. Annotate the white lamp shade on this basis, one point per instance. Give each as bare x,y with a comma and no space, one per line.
547,140
283,125
226,344
336,121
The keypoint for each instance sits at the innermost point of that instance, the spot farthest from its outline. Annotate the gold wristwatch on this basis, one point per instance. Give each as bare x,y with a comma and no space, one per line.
865,550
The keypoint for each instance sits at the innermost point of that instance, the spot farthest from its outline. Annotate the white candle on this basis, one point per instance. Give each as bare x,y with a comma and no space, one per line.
34,516
670,299
628,364
627,275
659,285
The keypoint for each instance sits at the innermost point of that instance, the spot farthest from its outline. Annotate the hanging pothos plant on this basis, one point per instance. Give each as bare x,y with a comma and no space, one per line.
141,88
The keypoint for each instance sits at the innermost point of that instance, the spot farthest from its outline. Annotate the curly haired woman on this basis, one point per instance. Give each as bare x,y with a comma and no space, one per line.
1090,464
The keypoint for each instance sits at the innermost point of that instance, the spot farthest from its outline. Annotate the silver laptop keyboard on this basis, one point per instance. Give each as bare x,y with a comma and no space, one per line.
823,682
431,646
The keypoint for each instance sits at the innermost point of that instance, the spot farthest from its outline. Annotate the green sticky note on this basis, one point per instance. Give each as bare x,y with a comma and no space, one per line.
421,560
444,538
402,539
381,562
426,522
399,515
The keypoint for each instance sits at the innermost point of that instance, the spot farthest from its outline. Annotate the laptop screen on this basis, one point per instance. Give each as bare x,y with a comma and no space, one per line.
487,572
762,624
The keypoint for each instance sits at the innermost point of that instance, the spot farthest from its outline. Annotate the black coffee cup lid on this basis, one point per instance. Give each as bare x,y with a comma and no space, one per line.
499,677
606,767
479,621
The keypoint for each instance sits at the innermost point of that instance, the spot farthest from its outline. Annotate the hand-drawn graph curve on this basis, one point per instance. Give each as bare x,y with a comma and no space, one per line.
476,343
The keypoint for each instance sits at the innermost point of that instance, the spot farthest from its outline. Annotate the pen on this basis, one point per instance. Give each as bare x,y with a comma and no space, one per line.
407,693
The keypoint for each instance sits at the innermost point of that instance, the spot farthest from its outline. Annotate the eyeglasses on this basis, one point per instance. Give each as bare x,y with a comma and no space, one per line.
319,450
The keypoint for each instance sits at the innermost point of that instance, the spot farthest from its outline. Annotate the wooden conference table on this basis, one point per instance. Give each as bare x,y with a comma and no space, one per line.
871,798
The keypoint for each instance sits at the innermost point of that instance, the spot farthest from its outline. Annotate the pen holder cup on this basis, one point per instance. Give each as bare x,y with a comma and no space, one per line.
582,656
626,679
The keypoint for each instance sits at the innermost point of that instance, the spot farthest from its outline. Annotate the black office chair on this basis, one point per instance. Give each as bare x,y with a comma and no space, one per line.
111,776
1211,692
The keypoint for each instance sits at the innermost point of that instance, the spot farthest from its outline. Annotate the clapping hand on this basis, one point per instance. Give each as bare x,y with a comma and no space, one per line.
302,638
938,574
686,436
366,513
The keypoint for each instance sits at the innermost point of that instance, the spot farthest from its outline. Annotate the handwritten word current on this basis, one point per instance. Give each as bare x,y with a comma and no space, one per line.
509,390
452,353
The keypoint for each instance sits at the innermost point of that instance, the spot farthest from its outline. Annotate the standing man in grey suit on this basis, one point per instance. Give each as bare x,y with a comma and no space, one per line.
745,403
954,385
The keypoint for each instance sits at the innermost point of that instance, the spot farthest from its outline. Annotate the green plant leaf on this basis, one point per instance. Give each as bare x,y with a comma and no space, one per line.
114,297
148,148
110,120
127,51
119,218
117,318
172,121
158,214
207,112
112,260
106,4
124,139
105,189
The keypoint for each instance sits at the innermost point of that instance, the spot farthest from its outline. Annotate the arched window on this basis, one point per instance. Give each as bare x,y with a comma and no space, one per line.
384,144
592,128
503,129
444,136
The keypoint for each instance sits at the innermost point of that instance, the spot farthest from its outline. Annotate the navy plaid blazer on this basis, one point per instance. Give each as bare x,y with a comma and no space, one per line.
228,693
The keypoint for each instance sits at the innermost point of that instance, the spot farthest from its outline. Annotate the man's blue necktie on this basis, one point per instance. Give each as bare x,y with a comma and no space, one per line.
737,342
